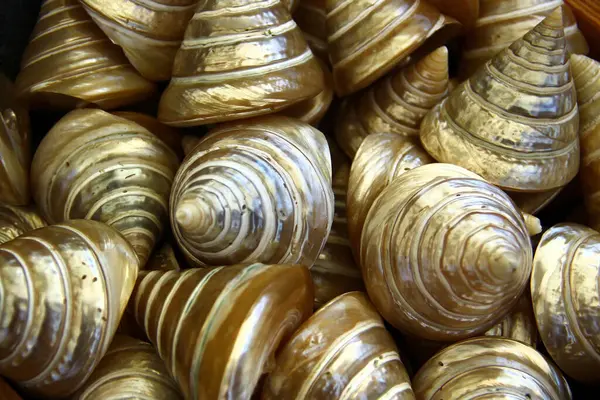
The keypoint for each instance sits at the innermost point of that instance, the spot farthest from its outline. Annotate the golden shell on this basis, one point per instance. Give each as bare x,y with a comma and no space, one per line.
149,32
254,191
366,43
7,392
588,17
491,368
396,104
565,293
515,122
342,352
15,221
444,254
130,369
239,60
71,63
381,158
222,323
464,11
95,165
519,325
311,17
64,289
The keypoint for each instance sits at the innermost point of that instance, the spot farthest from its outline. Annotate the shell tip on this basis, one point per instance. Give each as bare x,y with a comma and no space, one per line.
193,216
555,19
505,265
533,224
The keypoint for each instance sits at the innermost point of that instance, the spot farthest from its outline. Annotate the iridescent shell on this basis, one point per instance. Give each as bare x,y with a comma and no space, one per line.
15,221
217,329
464,11
64,289
519,325
311,17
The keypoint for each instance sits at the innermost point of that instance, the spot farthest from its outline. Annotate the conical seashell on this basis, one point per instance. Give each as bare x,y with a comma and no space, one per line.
254,191
501,22
239,58
464,11
95,165
71,63
490,368
519,325
64,289
15,153
396,104
188,142
130,369
15,221
150,32
565,294
588,18
7,392
533,203
311,17
366,41
224,323
515,122
342,352
444,254
381,158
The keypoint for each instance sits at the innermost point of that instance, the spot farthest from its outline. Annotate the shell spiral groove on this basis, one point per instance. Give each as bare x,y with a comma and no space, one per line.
519,325
15,221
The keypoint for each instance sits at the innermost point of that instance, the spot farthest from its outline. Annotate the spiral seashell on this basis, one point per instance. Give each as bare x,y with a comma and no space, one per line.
64,289
494,368
380,159
565,294
464,11
95,165
354,357
396,104
70,63
15,221
501,22
14,147
130,369
7,392
519,325
311,17
254,191
518,114
239,58
588,18
224,323
366,41
444,254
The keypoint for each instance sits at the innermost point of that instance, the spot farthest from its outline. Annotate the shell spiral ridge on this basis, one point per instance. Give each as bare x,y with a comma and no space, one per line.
15,221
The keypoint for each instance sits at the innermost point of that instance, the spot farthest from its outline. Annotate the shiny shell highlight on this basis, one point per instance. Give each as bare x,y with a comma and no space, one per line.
15,221
519,325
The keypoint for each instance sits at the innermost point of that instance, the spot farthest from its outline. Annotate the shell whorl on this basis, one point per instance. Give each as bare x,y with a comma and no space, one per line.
311,17
95,165
444,254
64,289
254,191
223,322
519,325
15,221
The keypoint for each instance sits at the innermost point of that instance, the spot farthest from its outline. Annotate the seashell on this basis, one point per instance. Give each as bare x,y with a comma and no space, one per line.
163,259
254,191
381,158
188,142
311,17
493,368
149,32
464,11
76,279
15,221
564,290
519,325
130,369
501,22
366,41
14,147
95,165
239,59
7,392
521,119
444,254
588,18
70,63
396,104
190,318
353,358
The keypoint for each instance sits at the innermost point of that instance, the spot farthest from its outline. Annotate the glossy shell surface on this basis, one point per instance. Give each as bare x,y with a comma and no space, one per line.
519,325
15,221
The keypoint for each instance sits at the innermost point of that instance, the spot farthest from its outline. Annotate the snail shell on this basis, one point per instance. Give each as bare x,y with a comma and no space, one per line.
518,113
588,17
519,325
15,221
493,368
64,289
95,165
564,289
396,104
239,58
311,17
464,11
444,254
254,191
71,63
224,323
342,352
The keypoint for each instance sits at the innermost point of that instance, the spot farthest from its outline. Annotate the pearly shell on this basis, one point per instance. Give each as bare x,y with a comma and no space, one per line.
239,58
15,221
565,292
224,323
491,368
588,18
444,254
311,17
464,11
71,63
342,352
396,104
518,113
95,165
519,325
254,191
64,289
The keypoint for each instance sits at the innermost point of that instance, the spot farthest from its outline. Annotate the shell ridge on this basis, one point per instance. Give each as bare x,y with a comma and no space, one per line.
238,9
517,85
352,389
